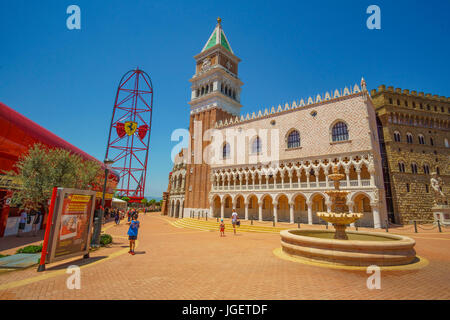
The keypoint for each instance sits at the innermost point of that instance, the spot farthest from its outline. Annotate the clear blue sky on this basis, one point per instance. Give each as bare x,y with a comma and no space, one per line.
65,80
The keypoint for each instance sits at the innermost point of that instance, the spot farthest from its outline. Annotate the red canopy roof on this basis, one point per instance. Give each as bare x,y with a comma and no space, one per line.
18,133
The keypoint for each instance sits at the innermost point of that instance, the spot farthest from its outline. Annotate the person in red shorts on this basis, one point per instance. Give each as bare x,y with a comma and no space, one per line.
222,228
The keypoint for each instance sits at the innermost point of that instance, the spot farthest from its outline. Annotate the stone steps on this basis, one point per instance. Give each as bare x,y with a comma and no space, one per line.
214,226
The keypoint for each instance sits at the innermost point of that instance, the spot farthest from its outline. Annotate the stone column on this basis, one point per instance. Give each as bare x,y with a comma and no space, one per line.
260,205
267,182
211,210
253,181
310,216
275,210
246,210
358,172
234,183
222,210
290,180
291,212
347,176
299,173
350,210
326,178
316,173
328,204
307,180
376,215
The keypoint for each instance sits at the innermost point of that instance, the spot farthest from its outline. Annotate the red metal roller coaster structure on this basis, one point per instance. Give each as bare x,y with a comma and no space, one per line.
129,133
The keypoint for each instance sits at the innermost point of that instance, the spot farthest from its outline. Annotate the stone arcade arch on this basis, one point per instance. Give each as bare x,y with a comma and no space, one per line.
267,207
252,201
361,203
216,206
317,205
283,208
240,207
227,203
177,209
300,208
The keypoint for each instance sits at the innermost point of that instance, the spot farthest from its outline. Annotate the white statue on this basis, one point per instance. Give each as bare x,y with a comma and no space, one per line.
436,184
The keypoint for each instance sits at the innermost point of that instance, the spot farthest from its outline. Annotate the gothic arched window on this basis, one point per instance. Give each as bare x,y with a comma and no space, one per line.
339,132
397,137
256,145
426,169
401,167
409,138
226,151
293,139
413,167
421,139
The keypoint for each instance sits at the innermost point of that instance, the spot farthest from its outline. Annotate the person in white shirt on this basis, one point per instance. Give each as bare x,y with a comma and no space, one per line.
234,219
22,222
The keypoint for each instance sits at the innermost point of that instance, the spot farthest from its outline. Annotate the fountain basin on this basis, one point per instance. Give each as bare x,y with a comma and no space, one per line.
361,249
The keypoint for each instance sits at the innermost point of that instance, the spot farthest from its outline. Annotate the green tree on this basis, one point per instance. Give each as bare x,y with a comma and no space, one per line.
42,168
125,199
144,202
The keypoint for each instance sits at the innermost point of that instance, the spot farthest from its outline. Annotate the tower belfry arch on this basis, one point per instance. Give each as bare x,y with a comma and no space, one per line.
215,96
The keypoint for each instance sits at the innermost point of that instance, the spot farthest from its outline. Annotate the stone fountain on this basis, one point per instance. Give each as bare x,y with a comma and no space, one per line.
348,248
339,218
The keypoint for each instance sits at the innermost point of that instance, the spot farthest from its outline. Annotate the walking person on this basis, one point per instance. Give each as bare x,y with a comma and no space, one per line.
133,233
222,228
36,221
117,217
234,220
22,221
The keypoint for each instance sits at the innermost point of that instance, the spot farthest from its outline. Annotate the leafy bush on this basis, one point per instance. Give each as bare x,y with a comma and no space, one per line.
30,249
105,239
4,255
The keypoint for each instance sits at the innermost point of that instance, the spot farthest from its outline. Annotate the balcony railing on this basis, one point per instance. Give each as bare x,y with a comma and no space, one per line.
321,185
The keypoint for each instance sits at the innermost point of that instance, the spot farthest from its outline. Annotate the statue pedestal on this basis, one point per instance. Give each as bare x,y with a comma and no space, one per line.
441,213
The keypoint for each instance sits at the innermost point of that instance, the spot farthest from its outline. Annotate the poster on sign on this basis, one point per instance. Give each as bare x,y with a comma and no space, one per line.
72,219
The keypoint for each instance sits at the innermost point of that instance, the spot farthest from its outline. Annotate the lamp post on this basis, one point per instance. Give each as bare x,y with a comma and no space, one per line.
99,217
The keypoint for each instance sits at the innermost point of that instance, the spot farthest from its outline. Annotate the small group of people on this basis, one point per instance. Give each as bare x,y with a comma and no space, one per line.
28,216
234,221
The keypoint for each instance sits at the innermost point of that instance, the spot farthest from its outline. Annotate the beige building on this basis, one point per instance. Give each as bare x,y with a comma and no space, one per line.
415,140
274,164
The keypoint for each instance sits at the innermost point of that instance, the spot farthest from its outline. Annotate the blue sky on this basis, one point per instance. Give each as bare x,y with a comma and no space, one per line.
65,80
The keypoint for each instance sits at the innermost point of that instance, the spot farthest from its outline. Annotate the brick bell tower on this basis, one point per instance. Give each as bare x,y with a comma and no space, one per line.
216,91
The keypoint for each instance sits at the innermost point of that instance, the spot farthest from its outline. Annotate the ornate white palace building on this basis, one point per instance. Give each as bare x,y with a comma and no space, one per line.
274,164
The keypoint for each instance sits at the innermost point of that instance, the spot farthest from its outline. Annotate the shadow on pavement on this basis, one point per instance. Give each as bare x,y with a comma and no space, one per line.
11,242
78,262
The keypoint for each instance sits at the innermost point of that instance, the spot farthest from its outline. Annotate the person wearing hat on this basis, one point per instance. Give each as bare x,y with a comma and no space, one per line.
222,228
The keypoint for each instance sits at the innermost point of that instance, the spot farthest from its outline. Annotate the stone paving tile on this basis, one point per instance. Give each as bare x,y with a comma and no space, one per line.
177,263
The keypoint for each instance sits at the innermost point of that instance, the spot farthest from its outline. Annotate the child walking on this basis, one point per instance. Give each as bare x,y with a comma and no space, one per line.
222,228
133,233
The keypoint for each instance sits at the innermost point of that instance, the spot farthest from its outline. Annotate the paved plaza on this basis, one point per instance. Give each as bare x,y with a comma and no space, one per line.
174,262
